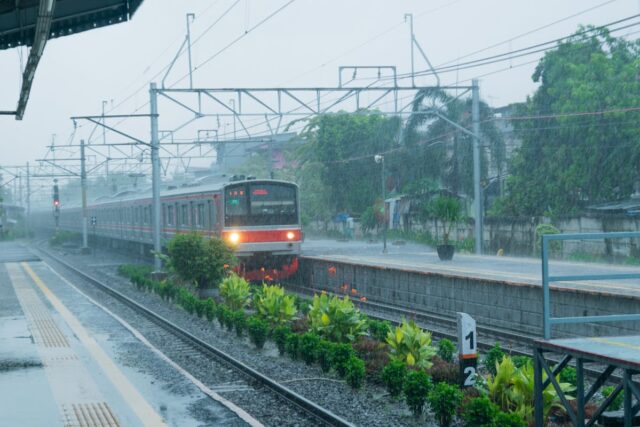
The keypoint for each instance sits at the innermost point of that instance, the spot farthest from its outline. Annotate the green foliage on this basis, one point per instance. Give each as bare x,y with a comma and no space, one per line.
309,344
494,356
446,349
355,372
61,237
448,211
374,354
617,402
348,186
393,376
273,305
444,401
292,345
258,330
340,355
569,161
509,419
569,375
543,229
325,351
417,385
520,361
410,344
378,329
239,321
369,220
449,162
210,309
201,261
200,307
221,311
235,291
480,412
336,319
279,335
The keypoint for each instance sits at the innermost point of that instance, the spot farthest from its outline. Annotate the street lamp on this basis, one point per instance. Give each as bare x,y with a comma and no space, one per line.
380,159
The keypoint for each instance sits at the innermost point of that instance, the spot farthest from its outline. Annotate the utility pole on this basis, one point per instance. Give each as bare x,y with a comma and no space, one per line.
477,191
28,216
409,17
190,18
380,159
104,139
155,168
83,183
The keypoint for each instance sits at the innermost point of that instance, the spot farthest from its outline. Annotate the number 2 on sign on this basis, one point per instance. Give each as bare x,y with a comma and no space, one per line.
469,376
469,337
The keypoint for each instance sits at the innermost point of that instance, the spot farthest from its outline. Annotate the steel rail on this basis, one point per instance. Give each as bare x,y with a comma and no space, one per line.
301,402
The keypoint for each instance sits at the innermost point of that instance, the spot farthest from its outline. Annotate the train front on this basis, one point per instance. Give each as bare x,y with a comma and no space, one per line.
262,224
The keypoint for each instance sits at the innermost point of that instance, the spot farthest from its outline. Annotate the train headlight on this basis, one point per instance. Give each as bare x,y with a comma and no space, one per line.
291,235
234,238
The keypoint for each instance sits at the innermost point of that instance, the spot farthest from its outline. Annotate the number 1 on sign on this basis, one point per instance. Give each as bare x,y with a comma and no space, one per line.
469,337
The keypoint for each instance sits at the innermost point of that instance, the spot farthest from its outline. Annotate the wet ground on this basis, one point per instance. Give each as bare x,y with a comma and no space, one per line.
62,357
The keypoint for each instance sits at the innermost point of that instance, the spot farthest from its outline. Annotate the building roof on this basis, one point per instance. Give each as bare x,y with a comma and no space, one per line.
18,18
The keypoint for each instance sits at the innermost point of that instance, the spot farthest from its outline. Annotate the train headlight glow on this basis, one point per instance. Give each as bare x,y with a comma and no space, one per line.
290,235
234,238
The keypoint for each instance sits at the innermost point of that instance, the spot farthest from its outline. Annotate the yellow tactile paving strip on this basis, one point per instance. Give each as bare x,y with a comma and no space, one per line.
80,401
138,404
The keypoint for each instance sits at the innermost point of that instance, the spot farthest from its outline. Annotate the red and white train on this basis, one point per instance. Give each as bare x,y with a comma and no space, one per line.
259,218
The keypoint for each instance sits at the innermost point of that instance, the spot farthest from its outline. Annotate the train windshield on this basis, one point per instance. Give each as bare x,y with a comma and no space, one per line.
261,204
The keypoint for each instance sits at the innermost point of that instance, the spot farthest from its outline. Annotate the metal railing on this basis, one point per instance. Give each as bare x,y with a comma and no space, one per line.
547,320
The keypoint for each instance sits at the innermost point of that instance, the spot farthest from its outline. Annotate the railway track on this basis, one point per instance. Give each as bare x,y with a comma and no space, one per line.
198,353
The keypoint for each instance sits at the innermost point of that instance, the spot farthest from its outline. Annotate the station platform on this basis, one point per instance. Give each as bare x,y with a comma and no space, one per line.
412,257
64,361
619,354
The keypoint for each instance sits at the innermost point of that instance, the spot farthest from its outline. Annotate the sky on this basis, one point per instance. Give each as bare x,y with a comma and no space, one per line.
302,45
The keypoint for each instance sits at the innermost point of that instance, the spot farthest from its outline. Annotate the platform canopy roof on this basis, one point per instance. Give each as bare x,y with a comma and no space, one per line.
18,18
33,22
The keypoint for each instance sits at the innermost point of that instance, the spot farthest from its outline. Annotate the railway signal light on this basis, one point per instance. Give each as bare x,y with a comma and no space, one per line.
56,196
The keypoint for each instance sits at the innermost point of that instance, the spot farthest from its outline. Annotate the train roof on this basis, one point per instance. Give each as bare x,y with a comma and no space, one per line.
180,191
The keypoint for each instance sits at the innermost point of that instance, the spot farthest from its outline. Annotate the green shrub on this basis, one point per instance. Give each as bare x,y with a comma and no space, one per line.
258,330
292,345
229,320
569,375
542,229
200,307
221,312
410,344
210,309
239,320
393,376
521,361
336,319
273,305
355,372
378,329
325,352
61,236
200,261
510,419
375,356
446,349
494,356
616,404
235,292
444,400
340,354
279,335
443,371
309,344
303,305
416,388
480,412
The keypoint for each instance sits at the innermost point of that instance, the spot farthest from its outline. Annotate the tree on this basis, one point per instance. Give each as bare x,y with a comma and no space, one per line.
436,151
343,146
568,160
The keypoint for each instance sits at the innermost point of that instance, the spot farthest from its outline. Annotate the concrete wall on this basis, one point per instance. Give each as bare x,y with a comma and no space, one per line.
500,304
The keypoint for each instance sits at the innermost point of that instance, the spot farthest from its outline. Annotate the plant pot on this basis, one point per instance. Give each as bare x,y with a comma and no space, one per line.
445,252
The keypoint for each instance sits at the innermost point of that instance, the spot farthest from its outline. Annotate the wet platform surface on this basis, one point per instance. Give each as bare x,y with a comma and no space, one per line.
66,362
15,252
421,258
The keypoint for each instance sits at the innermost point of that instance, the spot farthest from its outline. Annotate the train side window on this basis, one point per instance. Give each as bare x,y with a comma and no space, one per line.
200,215
170,215
184,215
211,214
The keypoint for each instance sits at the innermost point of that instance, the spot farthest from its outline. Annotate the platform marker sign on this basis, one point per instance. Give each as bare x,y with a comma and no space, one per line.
467,349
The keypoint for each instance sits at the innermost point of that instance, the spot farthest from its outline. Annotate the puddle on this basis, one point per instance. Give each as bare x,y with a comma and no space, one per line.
7,365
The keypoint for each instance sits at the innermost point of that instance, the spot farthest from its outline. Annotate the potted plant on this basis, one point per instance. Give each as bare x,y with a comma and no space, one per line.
446,210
